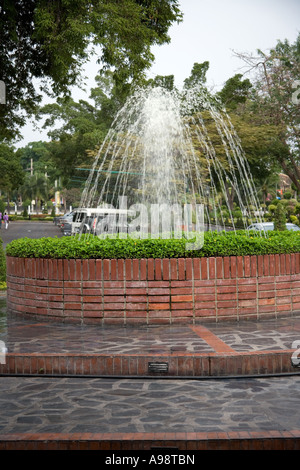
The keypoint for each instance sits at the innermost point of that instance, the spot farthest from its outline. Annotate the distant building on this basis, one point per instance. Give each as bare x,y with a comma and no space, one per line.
285,184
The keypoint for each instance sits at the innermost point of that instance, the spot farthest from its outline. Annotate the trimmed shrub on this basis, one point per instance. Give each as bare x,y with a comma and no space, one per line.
238,243
294,219
2,263
280,218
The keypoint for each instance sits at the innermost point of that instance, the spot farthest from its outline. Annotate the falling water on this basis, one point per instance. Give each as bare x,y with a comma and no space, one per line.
159,150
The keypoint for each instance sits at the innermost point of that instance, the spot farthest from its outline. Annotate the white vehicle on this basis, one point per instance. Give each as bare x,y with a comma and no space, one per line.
108,216
270,226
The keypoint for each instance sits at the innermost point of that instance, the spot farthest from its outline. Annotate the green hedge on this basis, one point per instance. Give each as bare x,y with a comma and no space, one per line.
215,244
2,264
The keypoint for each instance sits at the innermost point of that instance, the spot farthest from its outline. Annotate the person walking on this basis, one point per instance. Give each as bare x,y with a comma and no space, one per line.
5,218
0,219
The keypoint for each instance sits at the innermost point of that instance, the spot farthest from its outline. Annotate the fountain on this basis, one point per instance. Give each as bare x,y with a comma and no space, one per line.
164,150
159,152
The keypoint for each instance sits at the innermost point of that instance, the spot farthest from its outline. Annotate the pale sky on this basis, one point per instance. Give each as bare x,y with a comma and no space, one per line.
211,30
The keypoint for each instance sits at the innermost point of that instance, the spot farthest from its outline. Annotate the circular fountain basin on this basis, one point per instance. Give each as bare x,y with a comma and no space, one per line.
154,291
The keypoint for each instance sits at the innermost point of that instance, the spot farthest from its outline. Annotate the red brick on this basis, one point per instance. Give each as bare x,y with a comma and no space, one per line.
77,270
181,305
233,266
98,269
159,306
181,290
113,270
226,289
247,269
283,264
157,284
158,269
143,269
240,266
205,312
159,298
196,268
150,269
219,268
173,269
181,298
135,306
72,306
181,269
135,269
189,268
132,291
204,268
205,297
226,267
106,269
121,269
212,268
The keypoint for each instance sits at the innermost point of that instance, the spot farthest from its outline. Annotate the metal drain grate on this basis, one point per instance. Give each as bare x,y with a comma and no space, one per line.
158,366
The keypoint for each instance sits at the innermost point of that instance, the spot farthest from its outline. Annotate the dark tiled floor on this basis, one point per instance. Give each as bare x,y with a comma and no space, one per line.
29,336
68,405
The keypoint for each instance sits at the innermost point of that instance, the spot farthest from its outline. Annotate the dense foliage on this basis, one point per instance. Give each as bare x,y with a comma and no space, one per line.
50,40
2,264
215,244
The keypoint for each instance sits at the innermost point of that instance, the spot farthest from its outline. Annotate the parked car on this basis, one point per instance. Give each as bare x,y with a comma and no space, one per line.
99,220
270,226
96,225
66,229
65,220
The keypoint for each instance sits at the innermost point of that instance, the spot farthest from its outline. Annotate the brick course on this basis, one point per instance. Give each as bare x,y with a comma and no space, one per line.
155,442
154,291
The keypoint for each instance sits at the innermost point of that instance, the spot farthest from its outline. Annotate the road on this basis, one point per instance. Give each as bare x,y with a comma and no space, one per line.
23,228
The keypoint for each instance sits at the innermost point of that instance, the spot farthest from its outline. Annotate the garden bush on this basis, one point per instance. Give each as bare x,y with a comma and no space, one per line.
2,264
215,244
280,218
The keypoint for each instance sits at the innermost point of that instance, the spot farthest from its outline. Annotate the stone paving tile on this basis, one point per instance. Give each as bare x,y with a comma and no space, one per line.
29,336
260,336
68,405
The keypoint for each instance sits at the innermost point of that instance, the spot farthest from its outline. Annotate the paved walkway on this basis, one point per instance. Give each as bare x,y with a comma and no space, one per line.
27,335
116,403
132,412
63,408
248,347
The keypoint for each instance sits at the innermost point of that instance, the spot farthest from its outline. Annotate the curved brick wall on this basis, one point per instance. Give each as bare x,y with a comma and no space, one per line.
130,292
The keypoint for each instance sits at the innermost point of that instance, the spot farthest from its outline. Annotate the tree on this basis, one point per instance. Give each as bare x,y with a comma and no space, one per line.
235,92
35,188
280,218
50,40
36,157
78,128
275,101
11,172
197,76
163,81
